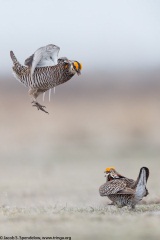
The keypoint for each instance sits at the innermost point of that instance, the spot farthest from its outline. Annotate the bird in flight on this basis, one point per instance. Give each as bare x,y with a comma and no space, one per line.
40,75
123,191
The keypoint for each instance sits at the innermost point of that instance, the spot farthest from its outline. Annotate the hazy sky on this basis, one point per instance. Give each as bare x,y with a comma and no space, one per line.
102,34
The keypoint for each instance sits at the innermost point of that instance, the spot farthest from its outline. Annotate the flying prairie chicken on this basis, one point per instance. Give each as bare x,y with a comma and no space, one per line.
123,191
41,79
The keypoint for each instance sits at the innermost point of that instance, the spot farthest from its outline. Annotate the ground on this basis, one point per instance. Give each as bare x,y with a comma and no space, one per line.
52,165
81,223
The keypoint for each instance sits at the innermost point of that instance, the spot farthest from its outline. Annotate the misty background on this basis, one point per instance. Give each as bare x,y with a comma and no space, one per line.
108,116
103,35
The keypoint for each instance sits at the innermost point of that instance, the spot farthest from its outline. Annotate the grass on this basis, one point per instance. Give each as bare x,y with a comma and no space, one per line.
54,210
81,223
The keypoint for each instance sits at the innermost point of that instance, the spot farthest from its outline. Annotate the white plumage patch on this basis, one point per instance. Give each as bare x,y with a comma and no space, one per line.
141,186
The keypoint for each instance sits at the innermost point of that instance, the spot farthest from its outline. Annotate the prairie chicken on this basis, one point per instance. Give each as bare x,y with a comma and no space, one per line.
123,191
44,78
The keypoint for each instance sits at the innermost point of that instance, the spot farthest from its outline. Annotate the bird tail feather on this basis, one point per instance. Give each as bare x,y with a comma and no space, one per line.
17,68
141,183
14,59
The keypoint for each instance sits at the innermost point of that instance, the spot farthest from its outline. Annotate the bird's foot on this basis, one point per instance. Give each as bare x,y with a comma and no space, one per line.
39,106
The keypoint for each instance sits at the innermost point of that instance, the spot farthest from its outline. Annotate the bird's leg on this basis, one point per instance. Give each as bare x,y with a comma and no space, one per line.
39,106
34,93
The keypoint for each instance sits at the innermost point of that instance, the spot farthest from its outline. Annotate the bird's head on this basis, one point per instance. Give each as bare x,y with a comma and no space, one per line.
72,66
111,174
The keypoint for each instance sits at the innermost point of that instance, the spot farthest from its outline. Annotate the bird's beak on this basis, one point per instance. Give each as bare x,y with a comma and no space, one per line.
78,72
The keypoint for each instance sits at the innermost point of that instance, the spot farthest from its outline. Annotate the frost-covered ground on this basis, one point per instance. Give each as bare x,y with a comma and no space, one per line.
81,223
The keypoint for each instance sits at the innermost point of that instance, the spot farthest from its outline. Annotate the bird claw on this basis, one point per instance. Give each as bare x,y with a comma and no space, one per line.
39,106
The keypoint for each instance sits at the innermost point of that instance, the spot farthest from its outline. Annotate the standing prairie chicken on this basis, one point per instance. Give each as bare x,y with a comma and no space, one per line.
44,78
123,191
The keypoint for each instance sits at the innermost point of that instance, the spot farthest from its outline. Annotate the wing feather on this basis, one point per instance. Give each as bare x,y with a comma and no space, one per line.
36,59
29,60
126,191
112,187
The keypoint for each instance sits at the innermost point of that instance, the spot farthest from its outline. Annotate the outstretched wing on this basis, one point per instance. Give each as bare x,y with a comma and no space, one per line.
112,187
34,59
28,61
44,56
